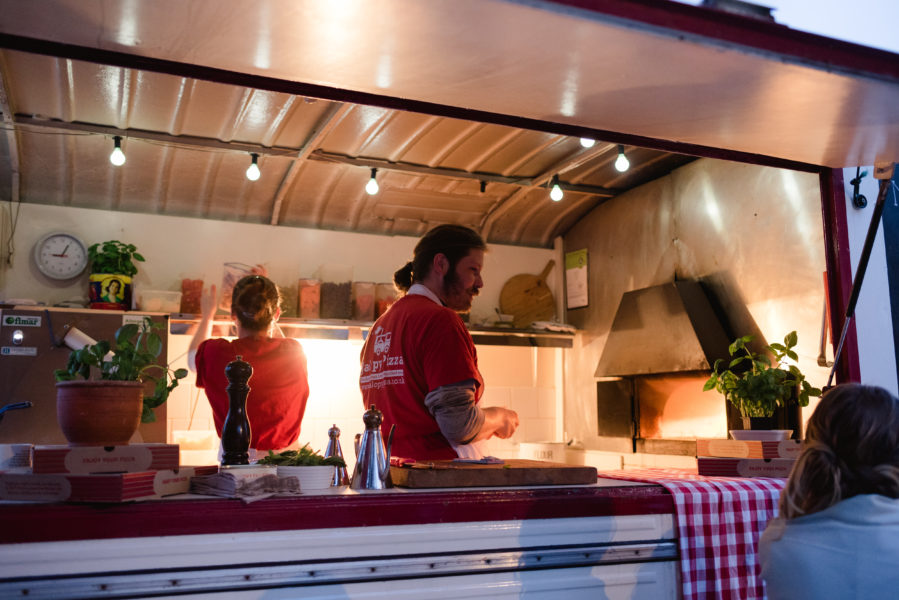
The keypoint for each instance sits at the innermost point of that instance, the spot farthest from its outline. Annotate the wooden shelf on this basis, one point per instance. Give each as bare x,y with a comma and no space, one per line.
344,329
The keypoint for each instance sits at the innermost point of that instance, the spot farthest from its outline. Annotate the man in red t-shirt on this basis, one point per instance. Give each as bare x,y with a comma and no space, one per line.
419,364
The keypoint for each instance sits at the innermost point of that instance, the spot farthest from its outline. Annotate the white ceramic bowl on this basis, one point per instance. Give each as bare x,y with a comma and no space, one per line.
311,478
761,435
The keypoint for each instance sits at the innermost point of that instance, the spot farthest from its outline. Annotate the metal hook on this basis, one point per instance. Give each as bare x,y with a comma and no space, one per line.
858,201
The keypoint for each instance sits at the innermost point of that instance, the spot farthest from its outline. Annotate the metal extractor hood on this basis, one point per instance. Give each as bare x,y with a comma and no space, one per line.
667,328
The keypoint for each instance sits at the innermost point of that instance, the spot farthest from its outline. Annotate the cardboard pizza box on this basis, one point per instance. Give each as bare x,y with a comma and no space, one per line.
748,448
133,458
98,487
744,467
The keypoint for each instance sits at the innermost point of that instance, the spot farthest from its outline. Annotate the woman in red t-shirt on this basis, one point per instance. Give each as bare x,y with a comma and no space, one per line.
279,386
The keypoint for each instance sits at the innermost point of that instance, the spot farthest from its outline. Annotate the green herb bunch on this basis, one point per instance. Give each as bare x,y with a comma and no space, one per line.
754,386
114,257
304,457
134,358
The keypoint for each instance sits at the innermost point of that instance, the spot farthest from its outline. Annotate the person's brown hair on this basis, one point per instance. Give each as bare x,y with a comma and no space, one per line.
851,448
255,302
453,241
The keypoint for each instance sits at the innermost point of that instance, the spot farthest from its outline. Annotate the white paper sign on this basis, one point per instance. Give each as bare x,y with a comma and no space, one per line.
576,278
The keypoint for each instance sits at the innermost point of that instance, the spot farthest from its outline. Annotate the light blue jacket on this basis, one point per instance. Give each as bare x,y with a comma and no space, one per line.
848,551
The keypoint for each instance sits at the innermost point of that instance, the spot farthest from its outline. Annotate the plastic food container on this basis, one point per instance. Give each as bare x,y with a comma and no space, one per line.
159,301
191,292
234,271
289,298
336,291
364,301
310,298
385,295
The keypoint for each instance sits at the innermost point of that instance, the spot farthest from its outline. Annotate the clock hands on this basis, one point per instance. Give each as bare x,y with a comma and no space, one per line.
64,250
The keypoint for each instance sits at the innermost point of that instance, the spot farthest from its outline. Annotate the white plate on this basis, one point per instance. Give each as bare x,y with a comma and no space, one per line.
761,435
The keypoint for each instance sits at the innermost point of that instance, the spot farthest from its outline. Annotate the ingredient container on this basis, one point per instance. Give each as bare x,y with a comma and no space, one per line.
364,301
385,295
310,298
336,291
191,292
289,299
233,273
159,301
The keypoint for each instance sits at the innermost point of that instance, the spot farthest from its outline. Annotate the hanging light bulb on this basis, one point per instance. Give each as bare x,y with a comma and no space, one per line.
253,172
622,164
556,193
587,142
372,186
117,157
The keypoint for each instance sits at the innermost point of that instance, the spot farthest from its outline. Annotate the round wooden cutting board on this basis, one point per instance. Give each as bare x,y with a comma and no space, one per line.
527,298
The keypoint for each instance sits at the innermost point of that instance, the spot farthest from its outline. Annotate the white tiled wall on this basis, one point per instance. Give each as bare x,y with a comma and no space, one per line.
524,379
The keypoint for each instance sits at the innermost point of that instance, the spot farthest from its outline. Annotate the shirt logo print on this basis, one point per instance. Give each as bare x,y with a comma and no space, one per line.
382,341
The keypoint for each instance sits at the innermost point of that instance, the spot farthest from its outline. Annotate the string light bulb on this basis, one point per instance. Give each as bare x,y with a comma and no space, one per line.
117,157
587,142
556,193
622,164
253,172
372,186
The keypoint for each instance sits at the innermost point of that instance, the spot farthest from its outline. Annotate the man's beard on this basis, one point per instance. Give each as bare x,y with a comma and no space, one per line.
455,295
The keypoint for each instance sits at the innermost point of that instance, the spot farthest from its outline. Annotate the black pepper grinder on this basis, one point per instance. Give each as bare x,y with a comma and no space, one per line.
236,430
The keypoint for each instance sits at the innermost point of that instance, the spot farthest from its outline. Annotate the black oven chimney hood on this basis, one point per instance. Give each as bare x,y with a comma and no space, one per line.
669,328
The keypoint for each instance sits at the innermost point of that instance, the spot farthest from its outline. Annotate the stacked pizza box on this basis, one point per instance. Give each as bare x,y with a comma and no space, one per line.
100,474
746,458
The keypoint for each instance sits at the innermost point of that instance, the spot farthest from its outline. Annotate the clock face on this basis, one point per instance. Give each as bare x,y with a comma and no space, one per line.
60,256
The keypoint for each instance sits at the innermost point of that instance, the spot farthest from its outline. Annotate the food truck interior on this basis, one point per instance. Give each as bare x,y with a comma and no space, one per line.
735,128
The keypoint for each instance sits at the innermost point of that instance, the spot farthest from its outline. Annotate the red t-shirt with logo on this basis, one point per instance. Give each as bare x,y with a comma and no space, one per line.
279,386
415,347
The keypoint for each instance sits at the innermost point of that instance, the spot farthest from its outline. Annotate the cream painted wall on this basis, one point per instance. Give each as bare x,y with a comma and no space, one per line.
176,248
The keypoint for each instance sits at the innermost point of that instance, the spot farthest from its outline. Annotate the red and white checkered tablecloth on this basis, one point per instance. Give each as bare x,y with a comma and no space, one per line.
719,523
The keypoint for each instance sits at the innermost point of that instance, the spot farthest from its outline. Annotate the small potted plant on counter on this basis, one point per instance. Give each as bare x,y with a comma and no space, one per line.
313,470
758,388
112,267
108,410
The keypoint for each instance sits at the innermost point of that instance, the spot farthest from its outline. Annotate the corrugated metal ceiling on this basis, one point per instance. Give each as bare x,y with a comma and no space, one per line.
187,143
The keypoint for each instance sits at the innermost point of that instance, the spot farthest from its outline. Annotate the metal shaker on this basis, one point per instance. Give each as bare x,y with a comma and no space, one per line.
372,470
340,475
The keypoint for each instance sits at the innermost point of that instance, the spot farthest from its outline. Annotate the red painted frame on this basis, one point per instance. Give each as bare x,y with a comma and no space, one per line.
23,522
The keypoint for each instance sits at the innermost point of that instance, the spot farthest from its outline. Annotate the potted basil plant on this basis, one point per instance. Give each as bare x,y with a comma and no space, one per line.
100,395
111,270
755,385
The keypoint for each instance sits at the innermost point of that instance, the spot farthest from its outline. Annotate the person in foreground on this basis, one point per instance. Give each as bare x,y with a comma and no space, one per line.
837,535
279,385
419,365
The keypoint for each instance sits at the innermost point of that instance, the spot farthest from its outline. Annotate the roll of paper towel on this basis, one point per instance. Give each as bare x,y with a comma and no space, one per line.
77,339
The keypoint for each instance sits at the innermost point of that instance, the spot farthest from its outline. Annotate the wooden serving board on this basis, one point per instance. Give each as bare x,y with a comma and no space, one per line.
446,473
527,298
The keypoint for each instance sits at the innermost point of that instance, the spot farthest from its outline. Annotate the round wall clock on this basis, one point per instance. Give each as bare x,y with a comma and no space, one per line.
60,255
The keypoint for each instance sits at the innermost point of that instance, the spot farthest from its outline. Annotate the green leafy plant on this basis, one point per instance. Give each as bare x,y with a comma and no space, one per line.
114,257
755,386
133,357
304,457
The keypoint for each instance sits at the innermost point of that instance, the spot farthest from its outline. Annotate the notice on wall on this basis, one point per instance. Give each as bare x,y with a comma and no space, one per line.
576,278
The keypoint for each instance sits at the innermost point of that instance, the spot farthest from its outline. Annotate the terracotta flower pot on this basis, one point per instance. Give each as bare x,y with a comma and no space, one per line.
99,413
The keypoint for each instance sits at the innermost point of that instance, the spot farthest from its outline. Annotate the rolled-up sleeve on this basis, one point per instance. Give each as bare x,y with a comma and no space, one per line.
456,411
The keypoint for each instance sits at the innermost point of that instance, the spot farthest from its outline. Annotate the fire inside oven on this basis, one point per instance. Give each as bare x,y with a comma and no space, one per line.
658,414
